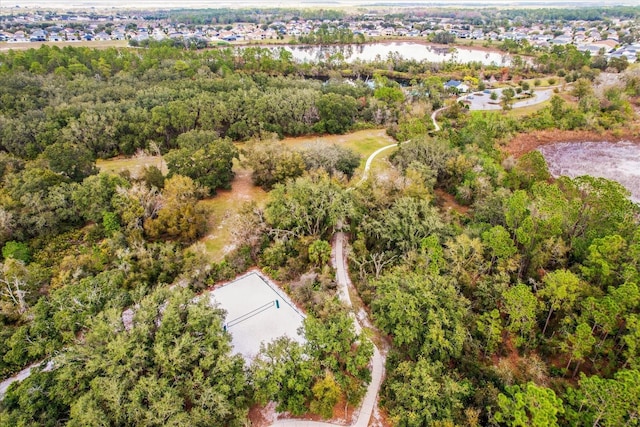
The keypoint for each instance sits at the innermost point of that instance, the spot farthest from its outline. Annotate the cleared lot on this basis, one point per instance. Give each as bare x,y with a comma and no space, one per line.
257,311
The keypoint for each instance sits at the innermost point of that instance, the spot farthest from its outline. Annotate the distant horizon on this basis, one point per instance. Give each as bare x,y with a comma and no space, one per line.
302,4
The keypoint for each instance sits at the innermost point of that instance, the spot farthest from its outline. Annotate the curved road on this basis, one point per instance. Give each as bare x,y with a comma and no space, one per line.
484,103
481,103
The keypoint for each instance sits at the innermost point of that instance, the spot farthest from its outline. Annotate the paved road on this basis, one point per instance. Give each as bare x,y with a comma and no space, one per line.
4,385
482,102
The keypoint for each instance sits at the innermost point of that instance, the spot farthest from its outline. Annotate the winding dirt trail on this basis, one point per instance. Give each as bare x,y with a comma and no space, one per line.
377,360
339,261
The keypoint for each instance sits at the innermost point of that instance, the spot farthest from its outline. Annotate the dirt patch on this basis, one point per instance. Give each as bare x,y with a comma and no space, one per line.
262,416
448,202
380,418
526,142
224,209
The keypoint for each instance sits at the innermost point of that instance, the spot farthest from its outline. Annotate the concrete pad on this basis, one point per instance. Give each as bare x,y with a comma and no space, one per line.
257,311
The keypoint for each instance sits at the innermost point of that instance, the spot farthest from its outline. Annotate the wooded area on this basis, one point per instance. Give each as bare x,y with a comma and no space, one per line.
520,306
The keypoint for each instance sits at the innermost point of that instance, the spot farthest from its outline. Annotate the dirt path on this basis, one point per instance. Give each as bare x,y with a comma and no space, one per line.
377,360
339,261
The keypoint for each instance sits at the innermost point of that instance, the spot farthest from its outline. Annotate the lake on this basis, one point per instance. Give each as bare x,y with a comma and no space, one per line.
618,161
407,50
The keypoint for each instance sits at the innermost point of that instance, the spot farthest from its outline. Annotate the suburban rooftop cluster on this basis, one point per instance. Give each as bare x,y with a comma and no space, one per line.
610,36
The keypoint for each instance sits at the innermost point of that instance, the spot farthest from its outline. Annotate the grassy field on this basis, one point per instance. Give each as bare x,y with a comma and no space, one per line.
524,111
223,208
223,211
363,142
134,164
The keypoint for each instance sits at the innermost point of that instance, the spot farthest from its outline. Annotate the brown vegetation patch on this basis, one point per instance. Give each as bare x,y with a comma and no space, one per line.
448,202
526,142
262,416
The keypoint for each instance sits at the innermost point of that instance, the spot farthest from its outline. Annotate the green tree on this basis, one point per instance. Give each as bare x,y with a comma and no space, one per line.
507,99
326,393
16,250
319,252
490,327
203,157
423,392
500,246
172,365
528,405
179,216
272,163
309,206
582,88
522,307
95,195
609,402
402,227
580,344
337,113
529,168
332,158
282,372
560,291
423,313
70,160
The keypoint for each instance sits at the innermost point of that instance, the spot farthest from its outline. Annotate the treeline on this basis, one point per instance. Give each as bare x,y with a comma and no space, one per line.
500,309
87,257
569,14
250,15
116,102
326,34
518,306
519,309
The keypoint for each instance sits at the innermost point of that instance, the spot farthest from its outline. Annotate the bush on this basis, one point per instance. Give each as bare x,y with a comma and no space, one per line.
16,250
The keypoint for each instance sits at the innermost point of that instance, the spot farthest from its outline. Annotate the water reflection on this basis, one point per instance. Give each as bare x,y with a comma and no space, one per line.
618,161
406,50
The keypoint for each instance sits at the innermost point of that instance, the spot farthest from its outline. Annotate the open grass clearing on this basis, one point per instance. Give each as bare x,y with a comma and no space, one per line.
525,111
363,142
134,165
223,210
224,207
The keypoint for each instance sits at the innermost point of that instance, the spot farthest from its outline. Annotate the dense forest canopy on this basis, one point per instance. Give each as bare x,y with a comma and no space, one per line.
518,306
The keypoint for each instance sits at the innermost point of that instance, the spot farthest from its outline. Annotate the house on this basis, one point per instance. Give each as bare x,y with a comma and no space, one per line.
38,36
457,85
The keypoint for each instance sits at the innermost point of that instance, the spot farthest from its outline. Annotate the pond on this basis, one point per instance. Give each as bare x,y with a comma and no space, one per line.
406,50
618,161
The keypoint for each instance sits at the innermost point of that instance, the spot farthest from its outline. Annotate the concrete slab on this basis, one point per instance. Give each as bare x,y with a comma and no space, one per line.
257,311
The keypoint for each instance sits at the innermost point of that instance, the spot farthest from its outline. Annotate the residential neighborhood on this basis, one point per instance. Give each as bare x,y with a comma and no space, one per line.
613,37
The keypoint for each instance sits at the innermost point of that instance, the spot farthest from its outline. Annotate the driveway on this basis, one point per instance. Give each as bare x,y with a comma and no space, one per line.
482,101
